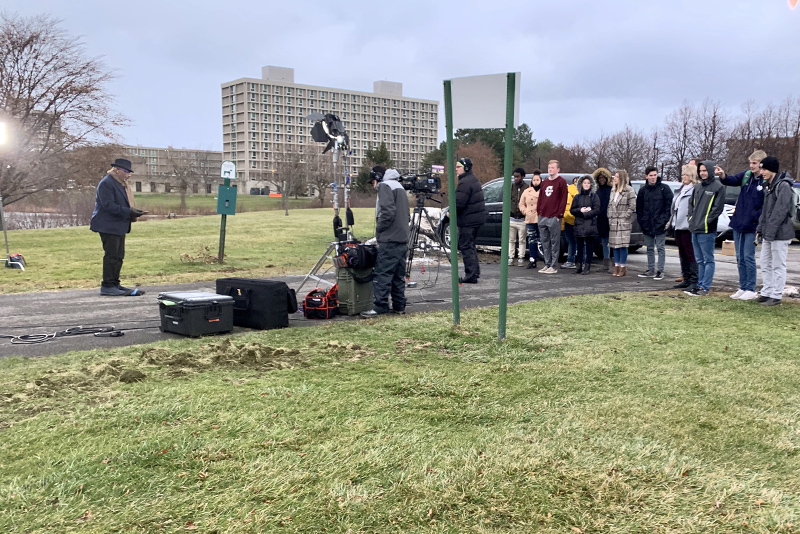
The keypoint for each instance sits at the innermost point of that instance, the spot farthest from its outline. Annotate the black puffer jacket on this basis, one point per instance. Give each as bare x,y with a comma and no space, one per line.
470,207
586,223
653,205
604,192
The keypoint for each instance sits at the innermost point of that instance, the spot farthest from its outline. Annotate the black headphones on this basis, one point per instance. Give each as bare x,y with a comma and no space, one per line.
375,175
466,163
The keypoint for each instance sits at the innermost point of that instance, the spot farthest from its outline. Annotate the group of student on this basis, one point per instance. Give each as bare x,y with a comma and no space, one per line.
601,207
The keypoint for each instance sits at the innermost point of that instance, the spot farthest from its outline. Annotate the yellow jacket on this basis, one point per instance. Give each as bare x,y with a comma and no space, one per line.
569,218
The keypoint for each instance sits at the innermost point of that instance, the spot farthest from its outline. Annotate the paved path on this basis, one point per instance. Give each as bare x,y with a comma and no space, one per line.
48,312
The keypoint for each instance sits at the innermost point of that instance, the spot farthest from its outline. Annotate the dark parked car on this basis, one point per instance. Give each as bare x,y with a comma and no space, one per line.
491,233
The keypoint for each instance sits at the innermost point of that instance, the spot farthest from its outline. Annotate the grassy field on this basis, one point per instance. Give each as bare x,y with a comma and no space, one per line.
610,413
257,244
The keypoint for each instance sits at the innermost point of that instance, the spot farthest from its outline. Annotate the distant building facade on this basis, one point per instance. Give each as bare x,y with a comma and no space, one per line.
264,118
168,170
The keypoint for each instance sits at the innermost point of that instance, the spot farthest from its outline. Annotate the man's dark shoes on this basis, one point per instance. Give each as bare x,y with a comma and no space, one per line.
531,265
132,292
112,291
686,283
771,302
659,276
586,268
463,280
762,299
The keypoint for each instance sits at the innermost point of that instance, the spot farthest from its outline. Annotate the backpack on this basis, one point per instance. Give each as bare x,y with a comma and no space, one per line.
15,261
322,304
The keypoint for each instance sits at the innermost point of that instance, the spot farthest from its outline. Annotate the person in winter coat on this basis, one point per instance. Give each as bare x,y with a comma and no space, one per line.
392,233
602,178
517,235
568,227
653,205
744,222
111,218
470,216
585,208
708,201
680,222
527,205
776,229
621,208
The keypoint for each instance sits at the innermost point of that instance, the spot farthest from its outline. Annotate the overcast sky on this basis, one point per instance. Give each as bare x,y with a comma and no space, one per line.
587,66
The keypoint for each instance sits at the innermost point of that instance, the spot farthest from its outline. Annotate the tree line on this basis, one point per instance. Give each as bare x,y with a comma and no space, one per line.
707,130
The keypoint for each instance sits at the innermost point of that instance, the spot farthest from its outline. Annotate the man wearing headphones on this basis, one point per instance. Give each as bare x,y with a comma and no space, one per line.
391,231
470,216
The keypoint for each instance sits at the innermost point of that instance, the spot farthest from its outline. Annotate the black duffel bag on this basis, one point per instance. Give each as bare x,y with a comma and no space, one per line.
257,303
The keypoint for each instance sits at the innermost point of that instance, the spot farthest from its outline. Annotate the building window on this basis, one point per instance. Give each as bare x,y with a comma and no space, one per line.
194,188
167,188
138,187
208,189
153,188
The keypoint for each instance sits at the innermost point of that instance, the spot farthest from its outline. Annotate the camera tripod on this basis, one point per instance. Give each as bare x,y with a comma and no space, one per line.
416,221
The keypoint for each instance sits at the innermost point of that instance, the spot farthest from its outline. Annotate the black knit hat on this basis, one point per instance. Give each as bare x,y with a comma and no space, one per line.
771,164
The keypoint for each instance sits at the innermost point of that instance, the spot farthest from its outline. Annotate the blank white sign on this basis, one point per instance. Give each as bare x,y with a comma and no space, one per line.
480,101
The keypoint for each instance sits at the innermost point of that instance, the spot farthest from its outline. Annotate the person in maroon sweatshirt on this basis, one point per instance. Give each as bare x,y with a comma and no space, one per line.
551,206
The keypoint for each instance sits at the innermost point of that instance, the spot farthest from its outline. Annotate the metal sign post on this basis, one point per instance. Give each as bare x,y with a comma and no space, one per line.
451,195
226,202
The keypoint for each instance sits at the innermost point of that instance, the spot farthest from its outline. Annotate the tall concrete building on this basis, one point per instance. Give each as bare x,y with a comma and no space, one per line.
263,119
167,170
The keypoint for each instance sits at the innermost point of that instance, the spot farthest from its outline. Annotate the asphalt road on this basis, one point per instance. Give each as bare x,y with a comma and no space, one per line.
139,318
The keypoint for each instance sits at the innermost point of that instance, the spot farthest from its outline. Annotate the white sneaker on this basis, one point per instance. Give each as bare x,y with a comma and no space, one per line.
738,294
521,262
550,270
748,295
510,262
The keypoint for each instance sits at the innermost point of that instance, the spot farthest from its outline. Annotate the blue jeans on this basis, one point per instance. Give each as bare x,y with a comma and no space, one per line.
745,244
569,232
533,241
703,245
604,246
620,256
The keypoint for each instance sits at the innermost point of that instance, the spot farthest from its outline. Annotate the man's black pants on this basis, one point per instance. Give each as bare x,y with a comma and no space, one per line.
466,245
114,248
390,277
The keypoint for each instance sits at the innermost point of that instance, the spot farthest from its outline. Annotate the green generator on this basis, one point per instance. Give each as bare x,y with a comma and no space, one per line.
355,290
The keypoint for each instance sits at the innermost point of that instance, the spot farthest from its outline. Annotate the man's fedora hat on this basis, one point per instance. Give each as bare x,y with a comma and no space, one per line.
122,164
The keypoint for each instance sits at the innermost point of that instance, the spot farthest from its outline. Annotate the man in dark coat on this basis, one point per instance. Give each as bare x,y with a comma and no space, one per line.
653,205
602,178
470,216
112,217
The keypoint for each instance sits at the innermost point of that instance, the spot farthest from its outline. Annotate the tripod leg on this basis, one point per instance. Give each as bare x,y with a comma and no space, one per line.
317,267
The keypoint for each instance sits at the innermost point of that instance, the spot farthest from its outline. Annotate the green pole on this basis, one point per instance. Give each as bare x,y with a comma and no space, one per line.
451,194
511,85
221,256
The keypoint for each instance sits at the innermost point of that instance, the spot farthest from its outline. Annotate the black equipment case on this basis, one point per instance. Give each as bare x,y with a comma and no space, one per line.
259,304
195,313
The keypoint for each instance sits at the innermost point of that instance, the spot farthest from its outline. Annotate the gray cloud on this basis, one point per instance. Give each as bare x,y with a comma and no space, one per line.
587,66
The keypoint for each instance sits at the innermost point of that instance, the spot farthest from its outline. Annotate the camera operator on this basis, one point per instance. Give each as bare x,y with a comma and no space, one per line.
391,231
471,215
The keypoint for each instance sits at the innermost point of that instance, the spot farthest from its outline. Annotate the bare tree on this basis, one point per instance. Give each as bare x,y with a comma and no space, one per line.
629,149
188,167
53,99
711,127
599,152
319,172
290,173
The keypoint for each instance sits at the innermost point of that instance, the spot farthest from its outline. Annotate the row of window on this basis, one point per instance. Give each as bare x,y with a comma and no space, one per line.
322,95
167,187
289,110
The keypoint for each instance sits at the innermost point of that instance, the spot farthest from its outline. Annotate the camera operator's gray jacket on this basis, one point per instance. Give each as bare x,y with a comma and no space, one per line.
391,210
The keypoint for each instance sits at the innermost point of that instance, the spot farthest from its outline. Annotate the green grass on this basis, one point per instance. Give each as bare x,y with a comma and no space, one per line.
608,413
207,204
257,244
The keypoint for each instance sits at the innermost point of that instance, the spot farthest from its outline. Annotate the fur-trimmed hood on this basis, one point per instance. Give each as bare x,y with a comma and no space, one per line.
587,177
602,171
